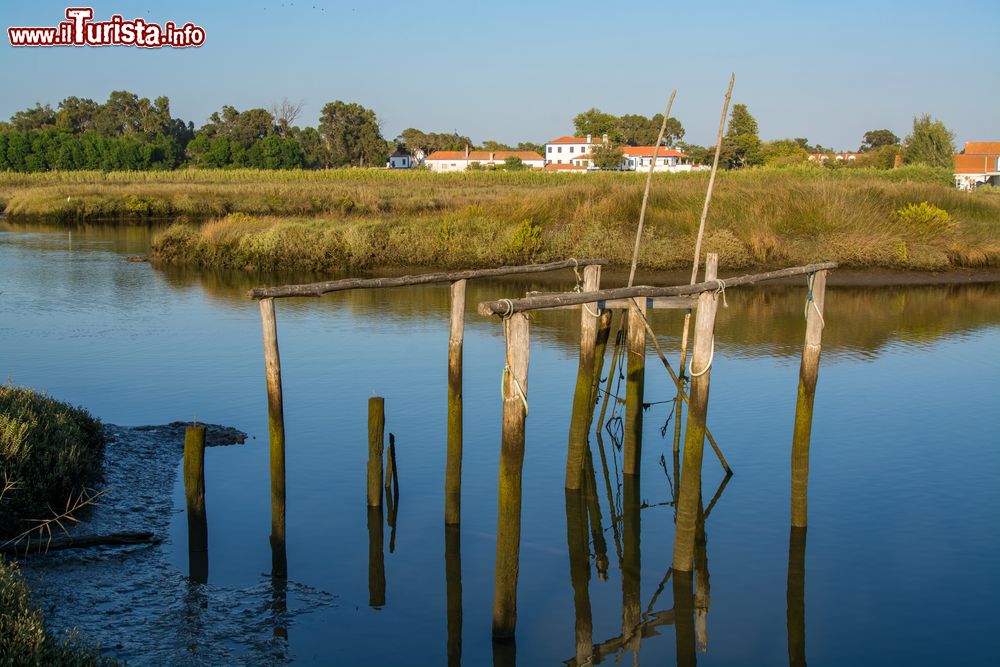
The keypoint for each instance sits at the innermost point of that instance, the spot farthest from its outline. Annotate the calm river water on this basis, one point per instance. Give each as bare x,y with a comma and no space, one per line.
902,564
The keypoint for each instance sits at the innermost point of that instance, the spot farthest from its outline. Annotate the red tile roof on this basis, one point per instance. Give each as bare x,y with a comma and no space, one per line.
982,147
976,164
647,151
573,140
485,156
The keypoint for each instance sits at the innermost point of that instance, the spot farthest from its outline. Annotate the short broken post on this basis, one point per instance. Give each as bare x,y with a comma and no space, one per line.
376,438
276,430
583,406
808,375
515,409
194,493
634,388
694,437
453,465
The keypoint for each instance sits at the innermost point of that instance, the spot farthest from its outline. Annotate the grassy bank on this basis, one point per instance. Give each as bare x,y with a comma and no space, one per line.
861,218
49,452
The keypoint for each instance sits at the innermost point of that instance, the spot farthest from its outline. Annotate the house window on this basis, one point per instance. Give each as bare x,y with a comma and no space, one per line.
549,148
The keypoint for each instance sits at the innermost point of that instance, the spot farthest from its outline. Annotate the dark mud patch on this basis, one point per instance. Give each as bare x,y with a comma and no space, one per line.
131,601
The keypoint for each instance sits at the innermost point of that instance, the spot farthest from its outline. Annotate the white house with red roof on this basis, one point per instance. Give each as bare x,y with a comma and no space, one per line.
565,150
441,161
574,154
977,165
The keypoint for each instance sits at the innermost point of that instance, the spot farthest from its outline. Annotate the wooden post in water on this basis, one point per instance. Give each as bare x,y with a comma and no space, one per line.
453,466
631,563
684,616
453,581
579,572
276,430
808,375
796,597
376,557
515,409
703,591
194,493
376,438
694,438
634,388
600,347
583,405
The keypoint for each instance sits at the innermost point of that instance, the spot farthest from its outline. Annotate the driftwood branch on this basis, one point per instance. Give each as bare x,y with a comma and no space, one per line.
42,544
509,306
318,289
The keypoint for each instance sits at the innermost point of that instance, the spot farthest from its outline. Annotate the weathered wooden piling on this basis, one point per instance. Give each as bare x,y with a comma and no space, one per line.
583,406
376,557
684,616
453,467
376,439
276,431
631,562
453,581
600,347
694,437
703,591
808,375
194,493
635,388
796,597
515,408
579,572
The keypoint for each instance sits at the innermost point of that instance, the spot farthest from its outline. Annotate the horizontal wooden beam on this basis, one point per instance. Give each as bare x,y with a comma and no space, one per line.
660,302
43,544
507,307
318,289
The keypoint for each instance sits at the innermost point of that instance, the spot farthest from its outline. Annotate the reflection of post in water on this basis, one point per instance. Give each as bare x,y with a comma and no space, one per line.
808,374
453,466
276,429
634,388
376,558
579,571
702,596
515,409
684,617
694,438
279,611
594,512
194,493
453,578
631,580
391,491
796,594
504,652
583,399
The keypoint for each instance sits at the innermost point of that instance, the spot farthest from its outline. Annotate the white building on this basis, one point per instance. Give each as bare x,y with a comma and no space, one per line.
565,150
640,158
400,160
461,160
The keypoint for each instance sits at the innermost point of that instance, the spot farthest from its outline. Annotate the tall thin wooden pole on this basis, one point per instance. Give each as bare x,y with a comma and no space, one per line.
796,597
583,406
579,571
645,194
276,430
515,392
634,388
194,493
453,467
453,580
694,439
704,216
808,375
600,348
703,591
376,440
684,618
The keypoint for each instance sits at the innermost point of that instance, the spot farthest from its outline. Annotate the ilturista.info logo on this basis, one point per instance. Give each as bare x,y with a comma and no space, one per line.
80,29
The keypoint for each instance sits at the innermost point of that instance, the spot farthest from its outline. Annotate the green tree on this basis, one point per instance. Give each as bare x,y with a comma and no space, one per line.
594,122
930,142
607,156
76,115
741,145
528,146
783,152
492,145
428,142
514,163
36,118
352,135
811,149
874,139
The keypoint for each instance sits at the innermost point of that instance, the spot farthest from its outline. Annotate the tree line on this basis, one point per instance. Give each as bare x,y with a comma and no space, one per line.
128,132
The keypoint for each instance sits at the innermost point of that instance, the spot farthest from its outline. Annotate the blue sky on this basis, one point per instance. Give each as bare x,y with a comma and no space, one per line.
826,71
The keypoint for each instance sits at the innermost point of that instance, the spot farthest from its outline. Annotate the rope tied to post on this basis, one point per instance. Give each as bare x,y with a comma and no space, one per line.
708,366
722,291
509,310
578,288
810,301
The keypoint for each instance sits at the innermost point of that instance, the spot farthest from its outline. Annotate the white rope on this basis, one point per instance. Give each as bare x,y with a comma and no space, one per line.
586,307
722,290
811,301
517,386
711,358
508,309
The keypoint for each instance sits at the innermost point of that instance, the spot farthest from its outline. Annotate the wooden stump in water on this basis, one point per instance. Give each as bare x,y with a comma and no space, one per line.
276,431
808,375
634,389
694,438
194,493
376,440
579,572
376,558
583,404
796,597
515,390
453,466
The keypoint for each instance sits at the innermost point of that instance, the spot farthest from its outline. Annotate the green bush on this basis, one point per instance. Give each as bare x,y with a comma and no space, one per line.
926,220
525,242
